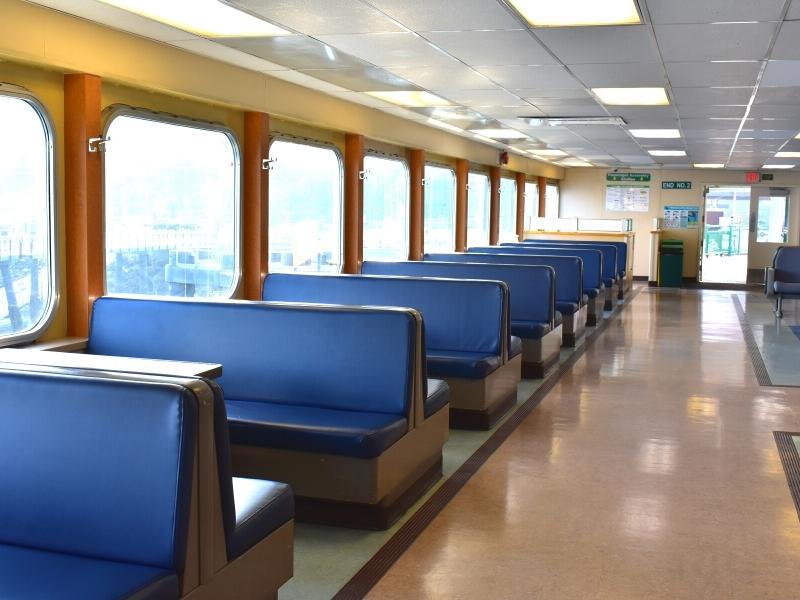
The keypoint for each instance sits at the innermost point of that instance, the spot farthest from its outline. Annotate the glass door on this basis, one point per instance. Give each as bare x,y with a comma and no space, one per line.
726,235
769,224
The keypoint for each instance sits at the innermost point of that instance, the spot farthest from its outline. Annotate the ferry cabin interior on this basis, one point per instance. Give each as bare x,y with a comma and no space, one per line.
399,299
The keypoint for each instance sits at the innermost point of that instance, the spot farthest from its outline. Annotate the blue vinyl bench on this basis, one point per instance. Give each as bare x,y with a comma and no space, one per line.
570,300
327,399
593,285
532,306
622,253
466,332
241,524
782,279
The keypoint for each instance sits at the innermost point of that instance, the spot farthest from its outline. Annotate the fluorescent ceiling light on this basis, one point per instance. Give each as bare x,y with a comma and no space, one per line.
778,166
500,134
787,155
632,96
569,121
549,152
412,99
797,137
444,125
655,133
709,166
207,18
484,139
574,162
578,13
667,152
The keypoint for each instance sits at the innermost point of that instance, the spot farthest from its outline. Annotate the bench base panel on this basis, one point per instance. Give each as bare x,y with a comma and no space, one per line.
481,420
485,394
539,355
574,326
595,311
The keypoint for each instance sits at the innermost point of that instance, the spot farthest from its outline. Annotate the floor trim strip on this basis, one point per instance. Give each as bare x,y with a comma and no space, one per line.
377,566
791,463
759,368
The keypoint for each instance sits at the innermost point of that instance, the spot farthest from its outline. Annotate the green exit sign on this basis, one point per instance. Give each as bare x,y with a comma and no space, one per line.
676,185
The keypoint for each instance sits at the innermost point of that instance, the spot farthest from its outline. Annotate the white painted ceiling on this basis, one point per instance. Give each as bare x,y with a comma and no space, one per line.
731,69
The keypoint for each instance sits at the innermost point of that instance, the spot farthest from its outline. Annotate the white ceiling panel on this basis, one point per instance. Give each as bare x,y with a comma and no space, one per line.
794,10
781,73
530,77
709,123
487,48
575,45
226,54
729,41
389,49
454,76
496,97
464,15
635,159
789,96
701,74
566,109
552,95
787,46
710,110
366,79
315,17
713,11
294,51
620,74
699,95
312,82
512,112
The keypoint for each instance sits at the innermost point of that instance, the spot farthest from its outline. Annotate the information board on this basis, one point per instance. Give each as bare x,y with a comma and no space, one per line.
681,217
628,192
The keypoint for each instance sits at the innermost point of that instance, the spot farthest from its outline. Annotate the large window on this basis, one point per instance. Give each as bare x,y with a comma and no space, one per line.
773,219
27,270
531,204
508,210
551,201
477,209
440,209
385,209
305,208
171,207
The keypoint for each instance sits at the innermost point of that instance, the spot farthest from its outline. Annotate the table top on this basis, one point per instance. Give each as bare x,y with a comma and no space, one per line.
110,363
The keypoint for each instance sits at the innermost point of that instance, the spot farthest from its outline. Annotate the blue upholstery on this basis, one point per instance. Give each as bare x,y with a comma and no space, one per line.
469,365
529,329
622,250
611,263
592,261
96,471
786,288
361,434
516,347
567,308
437,398
786,263
460,316
261,507
532,288
569,270
41,575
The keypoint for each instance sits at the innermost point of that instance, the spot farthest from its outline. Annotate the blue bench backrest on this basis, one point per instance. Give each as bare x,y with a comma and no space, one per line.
327,357
622,249
464,316
611,264
96,467
592,259
531,288
786,263
569,269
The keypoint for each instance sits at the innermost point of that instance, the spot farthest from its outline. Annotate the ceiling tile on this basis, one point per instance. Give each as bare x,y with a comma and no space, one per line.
454,76
295,52
553,95
389,49
781,73
496,97
574,45
712,11
465,15
730,41
364,79
315,17
787,46
699,95
620,74
227,54
566,109
789,96
702,74
486,48
510,112
794,10
710,110
530,77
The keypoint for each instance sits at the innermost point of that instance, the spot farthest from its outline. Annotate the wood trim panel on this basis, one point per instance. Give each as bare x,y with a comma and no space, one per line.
462,176
542,181
416,204
255,207
494,205
83,199
353,202
520,206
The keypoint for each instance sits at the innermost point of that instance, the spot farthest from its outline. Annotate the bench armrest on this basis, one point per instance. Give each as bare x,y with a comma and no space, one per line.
769,281
68,344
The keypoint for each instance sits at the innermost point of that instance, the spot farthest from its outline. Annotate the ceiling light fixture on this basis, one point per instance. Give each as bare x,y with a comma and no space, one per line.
578,13
574,162
667,152
444,125
548,152
411,98
787,154
709,166
778,166
500,134
632,96
568,121
484,139
655,133
207,18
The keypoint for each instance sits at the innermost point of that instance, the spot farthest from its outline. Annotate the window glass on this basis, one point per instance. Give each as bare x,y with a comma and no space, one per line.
385,209
440,209
305,208
477,209
773,219
508,210
531,203
551,201
171,207
26,261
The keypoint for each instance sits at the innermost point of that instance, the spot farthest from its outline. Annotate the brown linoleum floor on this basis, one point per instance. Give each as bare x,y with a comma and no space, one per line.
649,471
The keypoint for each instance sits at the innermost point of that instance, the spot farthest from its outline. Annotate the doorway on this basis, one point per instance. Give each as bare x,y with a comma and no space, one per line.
726,235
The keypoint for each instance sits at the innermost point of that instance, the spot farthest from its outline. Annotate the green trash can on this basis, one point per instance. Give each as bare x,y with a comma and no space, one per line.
670,266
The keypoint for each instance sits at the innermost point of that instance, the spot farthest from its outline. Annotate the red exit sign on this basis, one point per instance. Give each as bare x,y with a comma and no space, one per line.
752,177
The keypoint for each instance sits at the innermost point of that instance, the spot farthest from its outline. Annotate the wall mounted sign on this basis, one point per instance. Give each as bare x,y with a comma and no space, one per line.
676,185
681,217
628,192
767,177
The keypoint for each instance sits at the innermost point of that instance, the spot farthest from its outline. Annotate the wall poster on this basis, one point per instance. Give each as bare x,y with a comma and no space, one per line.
681,217
628,192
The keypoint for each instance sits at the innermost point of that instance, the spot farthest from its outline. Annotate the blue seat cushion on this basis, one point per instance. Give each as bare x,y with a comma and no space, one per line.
782,287
591,292
469,365
530,329
515,347
261,507
438,396
609,282
567,308
41,575
306,428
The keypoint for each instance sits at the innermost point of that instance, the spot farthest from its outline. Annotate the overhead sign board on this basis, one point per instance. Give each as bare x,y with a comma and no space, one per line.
628,177
676,185
628,192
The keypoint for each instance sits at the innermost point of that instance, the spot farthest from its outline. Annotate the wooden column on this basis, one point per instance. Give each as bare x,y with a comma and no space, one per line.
520,206
542,192
255,210
353,202
416,223
83,199
462,176
494,205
